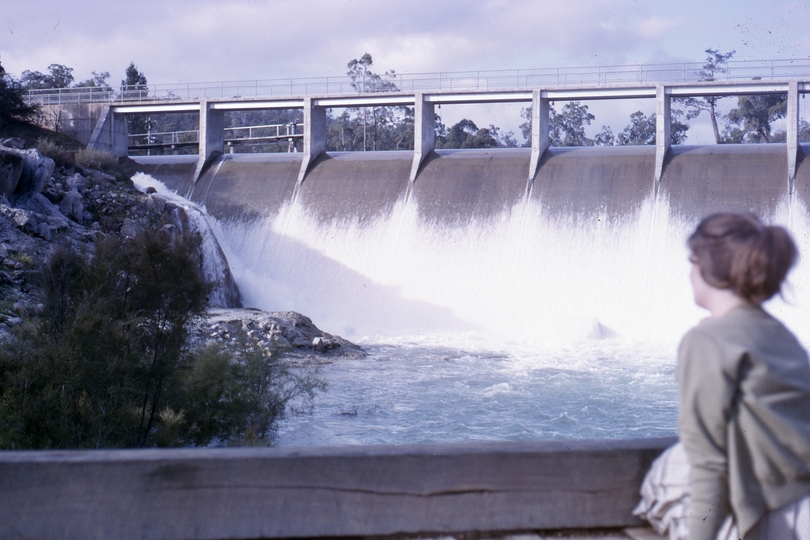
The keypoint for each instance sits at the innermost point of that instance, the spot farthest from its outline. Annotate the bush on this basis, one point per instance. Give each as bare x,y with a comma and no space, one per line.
96,159
107,364
12,101
59,155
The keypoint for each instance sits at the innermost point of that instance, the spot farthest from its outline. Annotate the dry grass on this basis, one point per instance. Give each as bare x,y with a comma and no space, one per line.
56,152
96,159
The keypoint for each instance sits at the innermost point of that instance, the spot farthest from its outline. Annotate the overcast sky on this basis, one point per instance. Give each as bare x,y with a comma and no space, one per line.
174,41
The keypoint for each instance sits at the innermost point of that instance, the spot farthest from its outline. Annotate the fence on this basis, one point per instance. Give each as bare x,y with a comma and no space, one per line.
689,72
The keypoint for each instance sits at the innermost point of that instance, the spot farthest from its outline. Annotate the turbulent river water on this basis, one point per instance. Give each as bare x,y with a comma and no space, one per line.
522,327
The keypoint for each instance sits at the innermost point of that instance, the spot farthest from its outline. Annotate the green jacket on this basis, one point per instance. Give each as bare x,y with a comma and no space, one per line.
744,418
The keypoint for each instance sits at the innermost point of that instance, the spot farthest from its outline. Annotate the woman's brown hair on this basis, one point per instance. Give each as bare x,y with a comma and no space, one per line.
736,251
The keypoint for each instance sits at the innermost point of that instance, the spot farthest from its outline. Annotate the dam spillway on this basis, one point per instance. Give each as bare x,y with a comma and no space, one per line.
493,308
386,226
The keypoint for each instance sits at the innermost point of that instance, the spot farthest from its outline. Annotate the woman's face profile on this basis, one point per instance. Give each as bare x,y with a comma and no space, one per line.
700,289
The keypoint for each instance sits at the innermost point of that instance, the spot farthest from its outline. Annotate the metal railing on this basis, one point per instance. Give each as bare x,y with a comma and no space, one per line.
736,70
152,139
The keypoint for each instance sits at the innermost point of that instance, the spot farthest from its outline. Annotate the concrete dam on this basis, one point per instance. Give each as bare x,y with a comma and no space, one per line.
472,216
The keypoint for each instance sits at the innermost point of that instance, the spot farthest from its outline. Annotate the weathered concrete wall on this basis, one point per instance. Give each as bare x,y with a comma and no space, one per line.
355,186
78,120
581,183
699,180
248,186
454,187
322,492
458,186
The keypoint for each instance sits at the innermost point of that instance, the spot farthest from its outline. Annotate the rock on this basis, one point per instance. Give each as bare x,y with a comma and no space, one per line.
20,309
11,168
22,219
37,170
87,216
96,226
159,203
3,251
72,206
130,228
150,190
14,321
76,181
319,344
13,142
44,232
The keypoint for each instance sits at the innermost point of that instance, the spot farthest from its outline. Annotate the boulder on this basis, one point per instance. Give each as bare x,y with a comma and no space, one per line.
11,168
37,170
76,181
72,206
131,228
13,142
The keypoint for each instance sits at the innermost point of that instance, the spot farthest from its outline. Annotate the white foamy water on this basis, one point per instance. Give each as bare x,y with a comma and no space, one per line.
524,327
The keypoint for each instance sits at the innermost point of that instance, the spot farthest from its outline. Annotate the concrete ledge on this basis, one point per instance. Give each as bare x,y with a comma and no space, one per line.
318,492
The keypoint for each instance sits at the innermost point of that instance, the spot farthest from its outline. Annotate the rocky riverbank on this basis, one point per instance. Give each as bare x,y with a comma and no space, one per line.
43,204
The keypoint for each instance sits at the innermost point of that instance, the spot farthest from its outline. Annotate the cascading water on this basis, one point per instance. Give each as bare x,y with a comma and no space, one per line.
521,327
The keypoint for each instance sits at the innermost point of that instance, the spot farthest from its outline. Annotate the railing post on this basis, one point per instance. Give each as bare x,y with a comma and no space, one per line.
663,130
792,132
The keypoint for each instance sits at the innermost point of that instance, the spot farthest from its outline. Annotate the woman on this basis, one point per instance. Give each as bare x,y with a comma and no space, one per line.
744,383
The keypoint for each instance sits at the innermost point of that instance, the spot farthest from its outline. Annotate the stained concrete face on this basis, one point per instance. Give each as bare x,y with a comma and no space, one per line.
581,183
177,172
699,180
456,187
355,186
248,186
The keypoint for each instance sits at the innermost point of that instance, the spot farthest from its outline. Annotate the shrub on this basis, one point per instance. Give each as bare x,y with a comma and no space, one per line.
50,149
96,159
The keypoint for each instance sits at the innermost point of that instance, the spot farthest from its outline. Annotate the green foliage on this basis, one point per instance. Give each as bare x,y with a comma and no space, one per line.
239,400
96,159
12,99
370,128
58,76
751,120
98,80
107,363
56,152
714,64
642,130
133,86
466,134
95,369
566,128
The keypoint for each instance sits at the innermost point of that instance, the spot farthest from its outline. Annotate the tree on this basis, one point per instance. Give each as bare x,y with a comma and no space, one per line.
566,128
58,76
642,130
605,137
465,134
383,128
751,120
98,80
715,63
12,100
133,86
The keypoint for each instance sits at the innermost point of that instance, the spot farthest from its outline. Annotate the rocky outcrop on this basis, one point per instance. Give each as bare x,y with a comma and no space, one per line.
11,167
287,332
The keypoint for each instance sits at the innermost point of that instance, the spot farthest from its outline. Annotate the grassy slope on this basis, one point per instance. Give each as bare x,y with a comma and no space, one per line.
31,133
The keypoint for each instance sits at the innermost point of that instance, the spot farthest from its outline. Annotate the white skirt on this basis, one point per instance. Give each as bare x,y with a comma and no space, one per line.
665,504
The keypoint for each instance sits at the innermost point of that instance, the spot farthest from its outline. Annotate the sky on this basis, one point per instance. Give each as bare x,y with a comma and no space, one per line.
179,41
